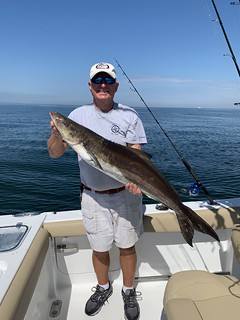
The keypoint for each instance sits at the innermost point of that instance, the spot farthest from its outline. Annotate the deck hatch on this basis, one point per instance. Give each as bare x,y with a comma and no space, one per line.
11,236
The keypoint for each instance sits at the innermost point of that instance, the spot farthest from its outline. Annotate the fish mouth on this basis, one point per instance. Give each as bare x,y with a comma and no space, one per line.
58,121
54,116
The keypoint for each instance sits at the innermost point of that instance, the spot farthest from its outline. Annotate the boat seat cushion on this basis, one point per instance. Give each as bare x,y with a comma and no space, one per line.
200,295
65,228
236,241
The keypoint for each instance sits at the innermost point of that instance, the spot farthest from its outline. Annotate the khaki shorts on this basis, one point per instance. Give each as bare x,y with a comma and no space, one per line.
112,218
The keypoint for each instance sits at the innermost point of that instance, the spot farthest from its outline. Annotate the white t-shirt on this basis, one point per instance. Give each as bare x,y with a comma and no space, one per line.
121,125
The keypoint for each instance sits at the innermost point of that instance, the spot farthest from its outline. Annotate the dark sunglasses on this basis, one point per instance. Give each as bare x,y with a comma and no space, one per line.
99,80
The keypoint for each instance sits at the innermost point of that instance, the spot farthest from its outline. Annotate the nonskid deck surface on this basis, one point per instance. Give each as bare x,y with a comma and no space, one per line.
151,302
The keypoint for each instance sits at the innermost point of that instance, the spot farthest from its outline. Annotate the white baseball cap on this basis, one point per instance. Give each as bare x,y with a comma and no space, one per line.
103,67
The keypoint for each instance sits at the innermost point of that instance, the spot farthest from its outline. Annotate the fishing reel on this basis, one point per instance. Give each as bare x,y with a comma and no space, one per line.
193,190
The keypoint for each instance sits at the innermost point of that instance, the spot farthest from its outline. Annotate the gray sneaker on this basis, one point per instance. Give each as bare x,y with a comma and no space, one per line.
131,307
97,300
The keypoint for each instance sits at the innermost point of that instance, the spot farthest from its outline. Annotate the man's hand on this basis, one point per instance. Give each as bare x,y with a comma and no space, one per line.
56,146
54,129
133,188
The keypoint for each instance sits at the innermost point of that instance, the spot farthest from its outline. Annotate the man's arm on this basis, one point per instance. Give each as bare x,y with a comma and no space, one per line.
56,146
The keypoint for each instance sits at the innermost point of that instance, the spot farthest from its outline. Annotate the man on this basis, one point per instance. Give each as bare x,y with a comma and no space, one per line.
112,213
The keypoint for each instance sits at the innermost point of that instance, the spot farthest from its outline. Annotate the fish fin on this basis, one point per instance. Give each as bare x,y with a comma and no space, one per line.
94,160
189,220
186,227
97,163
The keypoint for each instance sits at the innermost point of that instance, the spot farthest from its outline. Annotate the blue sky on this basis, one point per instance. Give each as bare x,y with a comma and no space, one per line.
171,50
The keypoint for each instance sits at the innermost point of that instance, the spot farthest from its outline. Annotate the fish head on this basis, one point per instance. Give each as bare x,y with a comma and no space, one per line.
68,129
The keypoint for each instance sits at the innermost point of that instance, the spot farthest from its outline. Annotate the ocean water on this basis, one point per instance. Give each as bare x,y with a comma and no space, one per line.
30,180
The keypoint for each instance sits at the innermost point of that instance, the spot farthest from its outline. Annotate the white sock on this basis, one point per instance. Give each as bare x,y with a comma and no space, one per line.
126,288
104,286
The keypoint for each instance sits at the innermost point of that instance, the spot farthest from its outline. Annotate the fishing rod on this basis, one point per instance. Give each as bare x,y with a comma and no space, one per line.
198,184
226,38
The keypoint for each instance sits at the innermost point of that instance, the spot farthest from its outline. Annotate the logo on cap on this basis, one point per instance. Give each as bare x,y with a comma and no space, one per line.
102,65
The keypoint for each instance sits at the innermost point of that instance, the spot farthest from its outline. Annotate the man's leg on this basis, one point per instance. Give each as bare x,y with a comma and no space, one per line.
103,290
101,262
128,262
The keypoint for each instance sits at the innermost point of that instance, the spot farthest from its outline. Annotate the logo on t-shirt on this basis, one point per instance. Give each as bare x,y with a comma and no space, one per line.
117,130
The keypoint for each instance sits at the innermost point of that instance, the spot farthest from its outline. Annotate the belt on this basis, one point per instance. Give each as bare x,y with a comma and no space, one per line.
110,191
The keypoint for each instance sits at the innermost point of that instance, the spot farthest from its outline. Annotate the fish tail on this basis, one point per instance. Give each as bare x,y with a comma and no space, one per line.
188,221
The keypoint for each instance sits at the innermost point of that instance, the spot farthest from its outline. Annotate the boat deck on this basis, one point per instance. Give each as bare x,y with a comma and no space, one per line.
150,302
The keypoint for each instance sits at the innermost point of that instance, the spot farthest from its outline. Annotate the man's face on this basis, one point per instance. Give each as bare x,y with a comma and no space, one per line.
103,91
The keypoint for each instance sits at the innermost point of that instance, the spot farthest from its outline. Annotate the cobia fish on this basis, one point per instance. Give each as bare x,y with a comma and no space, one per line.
126,164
